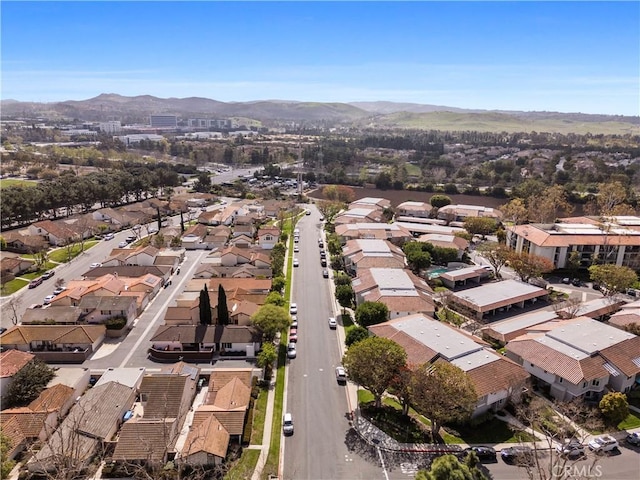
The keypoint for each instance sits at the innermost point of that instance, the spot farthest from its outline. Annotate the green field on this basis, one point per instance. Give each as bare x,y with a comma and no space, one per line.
13,182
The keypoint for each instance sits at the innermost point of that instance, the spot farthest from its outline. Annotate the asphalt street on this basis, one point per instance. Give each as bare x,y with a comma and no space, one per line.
319,448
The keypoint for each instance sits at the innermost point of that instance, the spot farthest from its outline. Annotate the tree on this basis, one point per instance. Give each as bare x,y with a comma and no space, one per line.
448,467
371,313
438,200
274,298
329,209
527,265
271,319
373,363
496,254
5,465
277,284
614,278
205,307
344,295
515,211
443,393
27,383
482,226
266,357
223,308
546,208
614,407
610,195
355,334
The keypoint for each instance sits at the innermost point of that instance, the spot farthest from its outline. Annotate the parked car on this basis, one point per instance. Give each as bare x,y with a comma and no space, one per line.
293,335
566,280
95,265
517,455
294,323
571,449
307,212
322,219
296,248
123,244
483,453
325,273
109,236
341,375
323,262
49,274
296,263
59,290
35,282
293,308
576,282
633,439
35,305
47,299
332,323
287,424
604,443
2,330
291,350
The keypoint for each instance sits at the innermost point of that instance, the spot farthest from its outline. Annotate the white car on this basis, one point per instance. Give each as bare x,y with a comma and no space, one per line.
123,244
95,265
291,350
293,308
109,236
47,299
333,323
341,375
296,263
296,249
59,290
605,443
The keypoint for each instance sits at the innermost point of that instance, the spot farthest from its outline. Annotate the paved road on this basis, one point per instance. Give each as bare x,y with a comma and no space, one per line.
318,449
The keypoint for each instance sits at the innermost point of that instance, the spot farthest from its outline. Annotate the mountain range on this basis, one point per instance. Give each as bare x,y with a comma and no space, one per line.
386,115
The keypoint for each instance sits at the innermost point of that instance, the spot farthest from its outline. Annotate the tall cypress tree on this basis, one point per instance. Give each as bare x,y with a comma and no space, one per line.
223,309
205,307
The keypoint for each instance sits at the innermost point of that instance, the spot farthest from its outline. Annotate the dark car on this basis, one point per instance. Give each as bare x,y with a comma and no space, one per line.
49,274
35,282
483,453
517,455
633,439
576,282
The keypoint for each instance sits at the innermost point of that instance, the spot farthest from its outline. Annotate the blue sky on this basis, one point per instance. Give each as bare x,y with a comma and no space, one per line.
562,56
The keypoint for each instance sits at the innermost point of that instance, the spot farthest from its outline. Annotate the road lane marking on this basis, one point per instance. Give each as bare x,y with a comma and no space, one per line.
384,468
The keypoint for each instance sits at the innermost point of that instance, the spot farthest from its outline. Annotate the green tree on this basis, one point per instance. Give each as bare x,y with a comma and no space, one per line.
614,278
439,200
342,279
6,465
274,298
271,319
371,313
27,383
344,295
373,363
515,211
329,209
205,307
528,265
482,226
448,467
614,407
443,393
223,308
355,334
266,357
277,284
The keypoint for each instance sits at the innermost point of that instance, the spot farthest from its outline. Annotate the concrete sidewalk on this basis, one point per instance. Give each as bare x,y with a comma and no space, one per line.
266,436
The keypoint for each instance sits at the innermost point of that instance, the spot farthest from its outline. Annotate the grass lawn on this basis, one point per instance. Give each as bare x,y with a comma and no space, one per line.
413,170
271,466
13,286
632,421
245,466
13,182
259,411
60,255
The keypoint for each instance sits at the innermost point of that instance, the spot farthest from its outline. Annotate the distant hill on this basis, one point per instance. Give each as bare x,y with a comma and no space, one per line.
358,114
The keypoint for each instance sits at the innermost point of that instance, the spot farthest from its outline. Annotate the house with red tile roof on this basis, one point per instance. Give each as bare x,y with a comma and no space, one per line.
11,362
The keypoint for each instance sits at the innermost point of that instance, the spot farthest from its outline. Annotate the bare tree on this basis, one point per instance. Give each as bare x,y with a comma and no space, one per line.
12,307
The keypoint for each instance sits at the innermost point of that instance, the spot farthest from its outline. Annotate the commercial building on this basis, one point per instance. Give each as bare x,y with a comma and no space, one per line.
163,121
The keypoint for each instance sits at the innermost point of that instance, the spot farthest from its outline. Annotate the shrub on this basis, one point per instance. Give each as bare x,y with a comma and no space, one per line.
115,323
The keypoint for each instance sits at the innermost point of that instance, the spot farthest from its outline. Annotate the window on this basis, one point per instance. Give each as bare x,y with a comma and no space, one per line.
584,385
595,383
561,380
226,345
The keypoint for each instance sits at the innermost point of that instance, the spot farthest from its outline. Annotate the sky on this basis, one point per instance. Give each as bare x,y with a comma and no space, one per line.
565,56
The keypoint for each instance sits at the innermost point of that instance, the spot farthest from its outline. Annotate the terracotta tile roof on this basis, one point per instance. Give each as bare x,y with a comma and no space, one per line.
207,436
52,398
234,395
30,423
622,319
12,429
72,334
543,238
12,361
221,377
417,353
625,356
557,363
232,420
493,377
142,439
206,334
